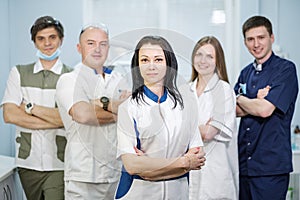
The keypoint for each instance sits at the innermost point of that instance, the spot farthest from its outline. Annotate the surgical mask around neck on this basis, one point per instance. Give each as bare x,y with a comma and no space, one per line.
46,57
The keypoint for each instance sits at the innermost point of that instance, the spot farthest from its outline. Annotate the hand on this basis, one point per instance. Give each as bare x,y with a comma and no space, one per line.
124,95
138,152
196,158
209,120
22,106
96,102
262,93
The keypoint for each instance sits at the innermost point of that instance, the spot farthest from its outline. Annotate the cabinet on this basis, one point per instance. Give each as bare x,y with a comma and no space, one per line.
295,176
10,186
7,189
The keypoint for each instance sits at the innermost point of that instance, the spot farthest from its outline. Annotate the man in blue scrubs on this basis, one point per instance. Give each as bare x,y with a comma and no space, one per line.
266,93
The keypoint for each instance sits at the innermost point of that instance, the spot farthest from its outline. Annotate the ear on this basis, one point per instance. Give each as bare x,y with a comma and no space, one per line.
78,48
272,38
61,41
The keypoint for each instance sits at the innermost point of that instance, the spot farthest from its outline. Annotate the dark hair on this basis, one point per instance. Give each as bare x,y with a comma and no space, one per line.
46,22
257,21
220,58
171,73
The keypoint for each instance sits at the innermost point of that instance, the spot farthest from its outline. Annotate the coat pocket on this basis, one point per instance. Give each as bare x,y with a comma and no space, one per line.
25,145
61,142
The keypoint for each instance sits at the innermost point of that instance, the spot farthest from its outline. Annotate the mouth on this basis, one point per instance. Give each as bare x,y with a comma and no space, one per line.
257,51
151,74
202,67
96,56
48,51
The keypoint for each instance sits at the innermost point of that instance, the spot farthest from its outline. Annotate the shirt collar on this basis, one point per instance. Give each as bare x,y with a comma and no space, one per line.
56,68
210,85
154,97
259,67
106,70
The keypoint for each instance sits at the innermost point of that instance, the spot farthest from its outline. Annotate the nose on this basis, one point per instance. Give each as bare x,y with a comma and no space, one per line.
98,48
202,59
47,41
151,65
256,43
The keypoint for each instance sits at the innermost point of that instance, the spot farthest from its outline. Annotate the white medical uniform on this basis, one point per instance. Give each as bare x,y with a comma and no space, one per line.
218,179
164,132
91,150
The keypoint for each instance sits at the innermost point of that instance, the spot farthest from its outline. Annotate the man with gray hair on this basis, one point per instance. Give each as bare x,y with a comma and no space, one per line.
88,99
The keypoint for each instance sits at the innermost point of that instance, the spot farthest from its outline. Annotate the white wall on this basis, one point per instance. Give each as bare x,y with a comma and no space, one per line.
5,130
184,21
181,22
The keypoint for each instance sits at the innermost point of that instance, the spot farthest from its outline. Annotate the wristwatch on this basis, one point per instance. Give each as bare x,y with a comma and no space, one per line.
28,108
105,102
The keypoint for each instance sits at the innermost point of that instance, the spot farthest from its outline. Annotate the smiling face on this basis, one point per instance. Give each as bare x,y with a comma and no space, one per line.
205,60
93,47
47,40
152,64
259,43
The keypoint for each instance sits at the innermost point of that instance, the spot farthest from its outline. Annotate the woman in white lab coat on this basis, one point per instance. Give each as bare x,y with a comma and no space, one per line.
218,179
158,136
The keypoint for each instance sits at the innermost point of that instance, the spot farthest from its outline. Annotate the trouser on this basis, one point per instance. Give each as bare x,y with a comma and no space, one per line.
75,190
264,187
42,185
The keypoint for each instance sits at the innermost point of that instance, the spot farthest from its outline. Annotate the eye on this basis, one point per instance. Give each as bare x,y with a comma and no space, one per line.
103,44
90,43
53,37
159,60
210,56
198,54
40,38
144,60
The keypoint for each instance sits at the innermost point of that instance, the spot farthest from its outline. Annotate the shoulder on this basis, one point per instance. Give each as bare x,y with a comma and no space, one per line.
25,67
276,58
282,68
66,69
247,68
188,95
128,106
68,77
225,85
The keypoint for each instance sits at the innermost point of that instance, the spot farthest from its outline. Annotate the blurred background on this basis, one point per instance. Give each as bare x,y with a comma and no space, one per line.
182,22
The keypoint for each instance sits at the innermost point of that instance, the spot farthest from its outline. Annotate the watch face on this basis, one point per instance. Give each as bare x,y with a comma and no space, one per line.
104,99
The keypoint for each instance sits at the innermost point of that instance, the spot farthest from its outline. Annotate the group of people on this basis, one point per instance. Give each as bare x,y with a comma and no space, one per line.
82,133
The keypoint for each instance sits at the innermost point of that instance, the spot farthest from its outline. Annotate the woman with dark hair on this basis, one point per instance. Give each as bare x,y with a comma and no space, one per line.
217,125
158,137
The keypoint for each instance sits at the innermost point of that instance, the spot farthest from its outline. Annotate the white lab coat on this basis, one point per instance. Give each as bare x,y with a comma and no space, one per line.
218,179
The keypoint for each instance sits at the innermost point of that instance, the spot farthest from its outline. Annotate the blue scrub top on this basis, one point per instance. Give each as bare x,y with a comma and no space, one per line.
265,143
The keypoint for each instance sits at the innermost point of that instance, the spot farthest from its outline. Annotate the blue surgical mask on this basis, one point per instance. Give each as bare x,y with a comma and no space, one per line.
243,88
46,57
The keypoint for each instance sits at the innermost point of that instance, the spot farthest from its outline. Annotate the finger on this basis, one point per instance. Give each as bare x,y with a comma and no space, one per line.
194,150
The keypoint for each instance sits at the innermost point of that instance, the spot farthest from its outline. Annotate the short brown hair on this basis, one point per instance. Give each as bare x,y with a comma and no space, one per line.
257,21
46,22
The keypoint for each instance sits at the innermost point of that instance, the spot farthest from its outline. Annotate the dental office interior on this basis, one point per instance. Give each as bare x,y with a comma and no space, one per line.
181,22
